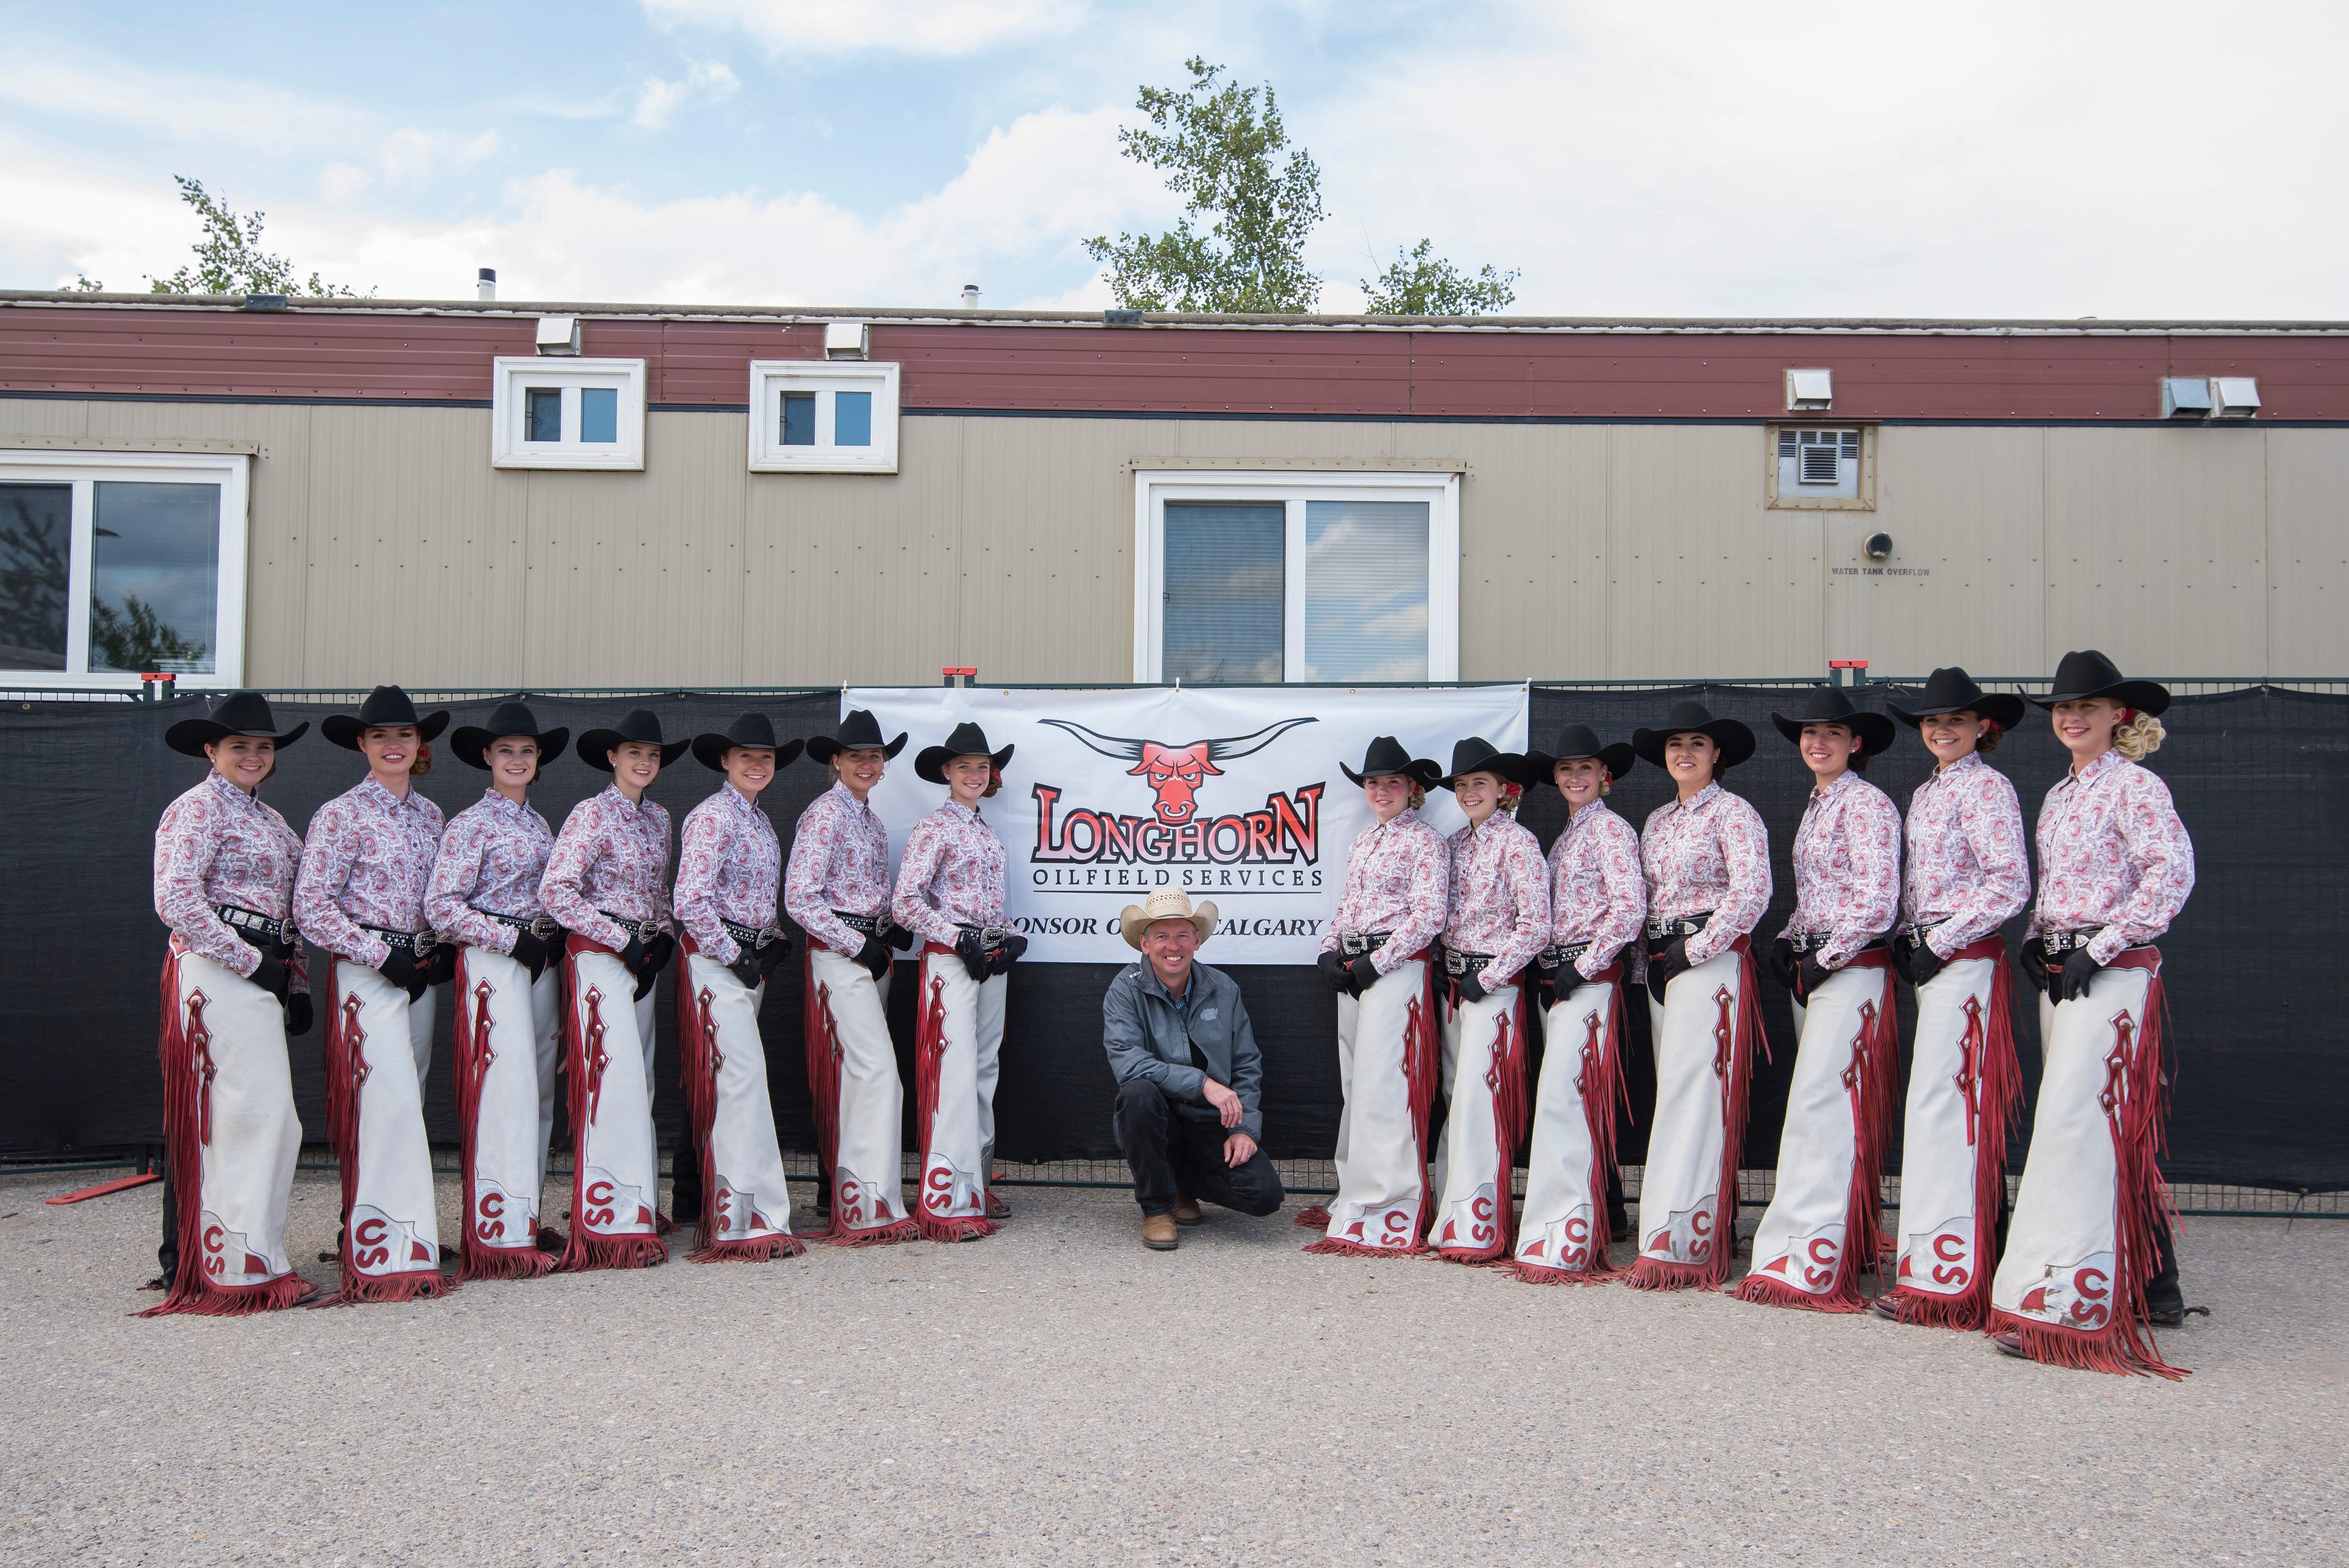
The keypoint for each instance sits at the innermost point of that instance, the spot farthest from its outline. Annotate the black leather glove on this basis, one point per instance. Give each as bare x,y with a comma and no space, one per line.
441,967
2079,969
1471,989
1362,974
745,968
1919,964
637,961
1000,960
402,969
874,957
1783,962
899,937
297,1014
1809,975
661,951
531,954
774,952
272,977
2029,958
1662,966
974,959
1332,966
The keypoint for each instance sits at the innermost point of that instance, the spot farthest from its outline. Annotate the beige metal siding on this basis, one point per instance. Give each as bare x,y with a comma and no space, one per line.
2308,551
2156,548
1963,585
1533,539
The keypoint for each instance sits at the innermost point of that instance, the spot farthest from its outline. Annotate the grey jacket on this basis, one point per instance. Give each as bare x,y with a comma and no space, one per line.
1146,1038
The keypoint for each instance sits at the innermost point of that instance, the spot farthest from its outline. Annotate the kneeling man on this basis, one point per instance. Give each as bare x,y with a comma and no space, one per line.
1190,1081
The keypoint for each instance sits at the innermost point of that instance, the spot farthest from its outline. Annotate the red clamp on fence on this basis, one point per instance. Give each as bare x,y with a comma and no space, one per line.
969,673
1859,665
154,687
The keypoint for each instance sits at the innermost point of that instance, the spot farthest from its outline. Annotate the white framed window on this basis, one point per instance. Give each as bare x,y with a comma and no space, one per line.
1264,576
567,414
824,416
1821,468
116,565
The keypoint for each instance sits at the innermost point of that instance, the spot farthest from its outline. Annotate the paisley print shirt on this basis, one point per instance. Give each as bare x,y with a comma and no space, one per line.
217,844
1847,867
1499,896
366,861
1398,879
952,874
840,860
1598,892
492,858
612,854
1709,854
729,864
1968,869
2112,855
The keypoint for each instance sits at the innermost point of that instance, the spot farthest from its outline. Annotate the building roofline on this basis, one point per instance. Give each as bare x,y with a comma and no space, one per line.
1557,325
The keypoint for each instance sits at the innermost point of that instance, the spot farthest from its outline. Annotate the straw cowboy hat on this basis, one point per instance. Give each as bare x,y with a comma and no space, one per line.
1165,904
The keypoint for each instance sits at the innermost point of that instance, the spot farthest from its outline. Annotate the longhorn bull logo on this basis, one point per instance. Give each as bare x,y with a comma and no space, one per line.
1175,774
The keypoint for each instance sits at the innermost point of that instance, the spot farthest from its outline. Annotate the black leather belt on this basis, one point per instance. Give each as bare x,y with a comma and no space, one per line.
1912,936
249,924
545,928
874,925
1557,957
1663,927
643,930
415,944
751,938
1466,963
2064,941
1354,944
1815,941
990,936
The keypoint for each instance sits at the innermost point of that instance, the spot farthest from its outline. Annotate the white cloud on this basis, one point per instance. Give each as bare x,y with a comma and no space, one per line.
659,98
899,27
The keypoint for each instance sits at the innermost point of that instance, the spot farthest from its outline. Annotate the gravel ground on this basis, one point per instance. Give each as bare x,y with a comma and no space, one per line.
1057,1394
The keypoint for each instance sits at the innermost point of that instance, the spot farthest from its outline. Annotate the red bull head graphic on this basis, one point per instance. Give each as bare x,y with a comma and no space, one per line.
1175,772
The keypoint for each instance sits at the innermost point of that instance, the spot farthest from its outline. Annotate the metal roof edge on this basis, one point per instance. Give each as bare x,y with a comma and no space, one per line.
917,316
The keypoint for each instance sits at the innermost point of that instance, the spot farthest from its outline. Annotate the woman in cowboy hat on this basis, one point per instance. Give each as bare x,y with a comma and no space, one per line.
950,894
1820,1229
1398,876
1966,875
2087,1255
1496,919
235,986
360,896
607,882
483,900
837,888
1599,901
729,869
1707,860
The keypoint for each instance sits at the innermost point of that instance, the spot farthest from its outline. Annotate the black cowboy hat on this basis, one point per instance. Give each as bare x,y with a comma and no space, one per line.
472,742
1735,741
967,740
385,708
1829,705
755,730
1385,754
859,732
1478,756
1577,742
640,725
236,713
2090,674
1952,690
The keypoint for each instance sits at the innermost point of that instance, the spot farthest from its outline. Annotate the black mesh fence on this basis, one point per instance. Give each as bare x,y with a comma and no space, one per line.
2259,1076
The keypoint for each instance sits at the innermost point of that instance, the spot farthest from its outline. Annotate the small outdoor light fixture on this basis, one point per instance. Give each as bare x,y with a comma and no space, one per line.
1810,391
485,282
1879,546
845,340
558,335
2236,397
2185,398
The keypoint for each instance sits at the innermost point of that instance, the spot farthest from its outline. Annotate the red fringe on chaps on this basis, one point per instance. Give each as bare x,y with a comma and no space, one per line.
1993,1091
699,1061
346,1074
929,1050
186,1129
1732,1062
582,1031
1505,1078
821,1032
1602,1088
2133,1110
477,1260
1422,1064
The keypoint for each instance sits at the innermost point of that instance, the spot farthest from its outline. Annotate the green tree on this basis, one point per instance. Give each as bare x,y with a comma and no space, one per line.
1258,198
229,258
136,637
1419,285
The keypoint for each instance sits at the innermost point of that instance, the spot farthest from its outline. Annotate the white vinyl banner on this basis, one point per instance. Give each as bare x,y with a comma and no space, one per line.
1231,793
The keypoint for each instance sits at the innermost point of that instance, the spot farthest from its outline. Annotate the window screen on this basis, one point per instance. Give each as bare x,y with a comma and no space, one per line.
799,418
1223,584
154,581
542,413
1365,590
36,551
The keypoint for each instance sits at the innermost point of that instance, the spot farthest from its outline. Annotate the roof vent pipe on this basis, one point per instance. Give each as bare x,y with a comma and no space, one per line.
970,297
487,286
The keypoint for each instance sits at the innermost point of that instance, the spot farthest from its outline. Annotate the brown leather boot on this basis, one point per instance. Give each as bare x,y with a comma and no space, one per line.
1187,1210
1158,1232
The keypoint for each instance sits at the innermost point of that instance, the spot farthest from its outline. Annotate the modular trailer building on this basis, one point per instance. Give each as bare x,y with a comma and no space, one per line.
315,493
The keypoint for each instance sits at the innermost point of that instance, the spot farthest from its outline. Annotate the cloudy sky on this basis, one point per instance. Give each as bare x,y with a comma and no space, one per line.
2052,159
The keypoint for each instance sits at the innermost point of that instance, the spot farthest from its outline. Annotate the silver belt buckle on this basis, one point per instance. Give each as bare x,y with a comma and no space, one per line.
992,936
424,941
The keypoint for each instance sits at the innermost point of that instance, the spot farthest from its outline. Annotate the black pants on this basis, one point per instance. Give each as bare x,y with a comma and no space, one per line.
1169,1152
685,1177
